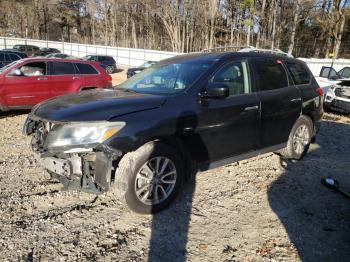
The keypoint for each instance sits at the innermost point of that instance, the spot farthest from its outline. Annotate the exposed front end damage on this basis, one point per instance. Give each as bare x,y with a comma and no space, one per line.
88,169
337,98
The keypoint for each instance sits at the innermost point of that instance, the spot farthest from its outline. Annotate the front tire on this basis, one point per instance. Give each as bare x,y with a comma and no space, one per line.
299,139
149,179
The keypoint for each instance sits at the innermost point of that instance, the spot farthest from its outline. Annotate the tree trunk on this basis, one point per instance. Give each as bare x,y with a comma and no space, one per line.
294,28
262,19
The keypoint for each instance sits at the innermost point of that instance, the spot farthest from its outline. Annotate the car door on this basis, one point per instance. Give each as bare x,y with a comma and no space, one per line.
229,126
30,87
280,101
64,78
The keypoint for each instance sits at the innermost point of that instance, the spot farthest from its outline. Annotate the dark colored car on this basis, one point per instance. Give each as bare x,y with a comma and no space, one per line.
26,82
7,57
22,55
107,62
44,51
134,70
29,50
187,113
58,55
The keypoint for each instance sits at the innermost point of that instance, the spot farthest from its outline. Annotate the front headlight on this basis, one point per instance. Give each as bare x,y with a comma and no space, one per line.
83,133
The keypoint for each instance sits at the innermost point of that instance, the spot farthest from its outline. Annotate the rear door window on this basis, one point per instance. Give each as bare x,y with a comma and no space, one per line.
62,68
299,73
269,74
13,57
86,69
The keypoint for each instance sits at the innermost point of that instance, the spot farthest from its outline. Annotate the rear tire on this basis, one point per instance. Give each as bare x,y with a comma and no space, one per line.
145,188
299,139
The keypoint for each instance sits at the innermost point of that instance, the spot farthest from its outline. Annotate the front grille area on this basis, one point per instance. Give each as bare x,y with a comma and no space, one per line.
341,105
342,92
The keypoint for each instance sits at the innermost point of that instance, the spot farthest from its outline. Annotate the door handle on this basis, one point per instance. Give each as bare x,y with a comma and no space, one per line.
42,78
295,100
75,77
251,108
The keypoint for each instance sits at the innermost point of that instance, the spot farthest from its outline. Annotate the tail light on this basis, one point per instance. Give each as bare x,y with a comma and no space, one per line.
108,78
320,92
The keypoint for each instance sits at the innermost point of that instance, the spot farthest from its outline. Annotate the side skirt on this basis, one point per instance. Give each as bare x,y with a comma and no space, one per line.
226,161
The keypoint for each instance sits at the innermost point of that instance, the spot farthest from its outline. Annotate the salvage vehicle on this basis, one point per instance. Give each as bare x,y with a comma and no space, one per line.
185,114
134,70
26,82
337,97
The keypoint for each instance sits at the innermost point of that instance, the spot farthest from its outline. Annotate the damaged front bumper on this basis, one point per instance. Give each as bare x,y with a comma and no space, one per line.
338,99
89,169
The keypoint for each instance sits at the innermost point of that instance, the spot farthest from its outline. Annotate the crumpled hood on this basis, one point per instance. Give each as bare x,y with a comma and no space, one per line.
96,105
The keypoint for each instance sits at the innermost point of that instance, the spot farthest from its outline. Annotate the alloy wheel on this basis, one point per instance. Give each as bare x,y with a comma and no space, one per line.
155,181
301,139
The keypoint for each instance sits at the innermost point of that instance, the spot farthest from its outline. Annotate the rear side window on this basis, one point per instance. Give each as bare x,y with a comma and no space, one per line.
270,75
13,57
86,69
2,57
299,73
110,59
62,68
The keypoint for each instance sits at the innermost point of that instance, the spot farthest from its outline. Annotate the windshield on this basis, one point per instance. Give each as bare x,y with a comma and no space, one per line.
166,78
8,66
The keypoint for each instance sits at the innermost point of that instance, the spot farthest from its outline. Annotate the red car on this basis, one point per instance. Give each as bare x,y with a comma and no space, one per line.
29,81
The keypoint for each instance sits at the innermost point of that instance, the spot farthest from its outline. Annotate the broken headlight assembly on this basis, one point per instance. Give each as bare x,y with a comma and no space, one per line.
82,134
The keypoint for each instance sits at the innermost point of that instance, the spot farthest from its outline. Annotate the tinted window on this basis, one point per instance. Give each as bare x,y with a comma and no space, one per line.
298,72
234,76
329,72
62,68
345,72
13,57
270,75
2,57
109,59
34,69
86,69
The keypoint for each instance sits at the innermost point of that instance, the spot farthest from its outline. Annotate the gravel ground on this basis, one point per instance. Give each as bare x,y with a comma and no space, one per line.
261,209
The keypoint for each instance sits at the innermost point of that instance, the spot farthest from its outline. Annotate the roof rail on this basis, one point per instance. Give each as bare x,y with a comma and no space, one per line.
224,49
247,49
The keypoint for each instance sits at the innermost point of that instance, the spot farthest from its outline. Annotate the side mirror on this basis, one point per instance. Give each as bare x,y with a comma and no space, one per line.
16,72
215,90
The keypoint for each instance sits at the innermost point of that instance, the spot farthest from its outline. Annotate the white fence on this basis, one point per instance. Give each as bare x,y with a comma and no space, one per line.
123,56
315,64
135,57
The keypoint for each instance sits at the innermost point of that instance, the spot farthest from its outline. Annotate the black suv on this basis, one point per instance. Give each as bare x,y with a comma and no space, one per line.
7,57
106,62
184,114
